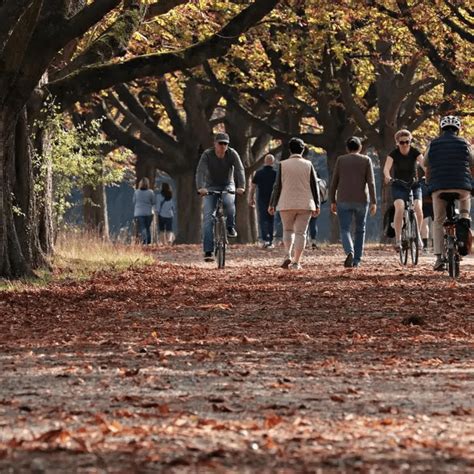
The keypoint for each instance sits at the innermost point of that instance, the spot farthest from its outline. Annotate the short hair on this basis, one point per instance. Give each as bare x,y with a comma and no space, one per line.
403,133
144,183
296,145
353,144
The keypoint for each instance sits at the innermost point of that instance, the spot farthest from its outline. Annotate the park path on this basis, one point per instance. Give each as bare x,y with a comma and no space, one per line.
179,367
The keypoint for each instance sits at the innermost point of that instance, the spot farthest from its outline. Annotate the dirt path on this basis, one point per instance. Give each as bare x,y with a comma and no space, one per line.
182,368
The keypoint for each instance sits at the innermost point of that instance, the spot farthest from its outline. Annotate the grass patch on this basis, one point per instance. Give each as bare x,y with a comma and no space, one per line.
77,256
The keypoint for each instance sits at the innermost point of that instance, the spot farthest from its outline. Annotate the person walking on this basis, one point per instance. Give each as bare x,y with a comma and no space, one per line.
262,186
219,169
165,211
353,174
296,195
449,162
144,200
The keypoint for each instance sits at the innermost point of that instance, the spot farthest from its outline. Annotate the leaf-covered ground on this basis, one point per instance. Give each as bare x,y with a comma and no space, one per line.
180,367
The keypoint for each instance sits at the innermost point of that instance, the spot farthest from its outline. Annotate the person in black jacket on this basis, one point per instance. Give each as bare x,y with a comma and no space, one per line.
449,165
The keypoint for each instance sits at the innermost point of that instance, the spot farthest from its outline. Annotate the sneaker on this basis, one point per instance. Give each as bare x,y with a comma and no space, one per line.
294,266
231,232
268,245
349,260
208,257
355,264
286,263
314,246
439,265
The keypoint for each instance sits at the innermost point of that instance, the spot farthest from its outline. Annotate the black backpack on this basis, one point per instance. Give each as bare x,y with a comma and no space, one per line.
464,235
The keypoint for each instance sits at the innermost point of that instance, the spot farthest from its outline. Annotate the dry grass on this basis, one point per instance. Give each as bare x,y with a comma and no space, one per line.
78,256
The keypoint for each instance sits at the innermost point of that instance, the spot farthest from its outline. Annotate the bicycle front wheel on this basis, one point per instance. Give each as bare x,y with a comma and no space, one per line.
414,240
220,239
404,247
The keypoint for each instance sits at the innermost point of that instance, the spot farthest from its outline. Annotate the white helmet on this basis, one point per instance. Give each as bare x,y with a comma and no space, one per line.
450,121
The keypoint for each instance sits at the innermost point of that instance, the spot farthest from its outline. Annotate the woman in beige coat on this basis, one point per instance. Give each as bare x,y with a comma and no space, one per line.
296,196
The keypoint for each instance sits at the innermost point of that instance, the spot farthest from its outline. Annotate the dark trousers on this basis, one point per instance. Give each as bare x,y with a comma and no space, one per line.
313,228
144,224
265,222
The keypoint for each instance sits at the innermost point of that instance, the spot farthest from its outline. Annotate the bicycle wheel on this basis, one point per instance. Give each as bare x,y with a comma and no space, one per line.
404,243
414,240
453,263
220,238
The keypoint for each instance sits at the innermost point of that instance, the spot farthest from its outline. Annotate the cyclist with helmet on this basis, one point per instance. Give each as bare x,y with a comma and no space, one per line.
404,160
449,162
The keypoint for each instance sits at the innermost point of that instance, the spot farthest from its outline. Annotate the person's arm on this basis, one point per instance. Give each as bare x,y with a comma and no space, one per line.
426,164
253,189
387,168
334,183
201,173
276,192
421,162
369,177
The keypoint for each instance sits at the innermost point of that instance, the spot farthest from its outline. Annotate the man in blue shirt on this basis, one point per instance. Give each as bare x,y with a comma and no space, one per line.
262,185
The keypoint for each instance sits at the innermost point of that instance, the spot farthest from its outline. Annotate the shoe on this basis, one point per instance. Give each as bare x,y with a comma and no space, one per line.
294,266
231,232
314,246
349,260
268,245
286,263
208,257
439,265
355,264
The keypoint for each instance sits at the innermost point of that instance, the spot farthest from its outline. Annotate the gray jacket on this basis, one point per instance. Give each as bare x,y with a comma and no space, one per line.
218,174
144,200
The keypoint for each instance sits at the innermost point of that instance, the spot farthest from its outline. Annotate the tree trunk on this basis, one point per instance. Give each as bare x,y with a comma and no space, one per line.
95,211
145,168
189,210
13,262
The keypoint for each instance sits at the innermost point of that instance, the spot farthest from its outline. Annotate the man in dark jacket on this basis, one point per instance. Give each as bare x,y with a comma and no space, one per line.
450,166
262,185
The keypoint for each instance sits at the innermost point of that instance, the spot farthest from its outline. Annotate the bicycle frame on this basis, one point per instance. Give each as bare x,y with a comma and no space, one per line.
450,241
410,233
220,228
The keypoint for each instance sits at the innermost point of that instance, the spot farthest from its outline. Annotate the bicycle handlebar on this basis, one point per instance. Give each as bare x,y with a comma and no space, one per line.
406,184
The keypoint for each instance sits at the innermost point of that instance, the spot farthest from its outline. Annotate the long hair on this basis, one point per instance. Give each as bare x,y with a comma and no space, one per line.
166,191
144,184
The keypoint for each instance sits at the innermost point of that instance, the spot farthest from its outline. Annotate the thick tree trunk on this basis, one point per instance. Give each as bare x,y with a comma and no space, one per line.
189,210
95,211
386,191
145,168
13,263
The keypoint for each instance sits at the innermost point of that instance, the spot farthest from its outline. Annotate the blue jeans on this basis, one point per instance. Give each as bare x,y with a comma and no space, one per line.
278,226
265,222
346,211
144,223
210,203
313,228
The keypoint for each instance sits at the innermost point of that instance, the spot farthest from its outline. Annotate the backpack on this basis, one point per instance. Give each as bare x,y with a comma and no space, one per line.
323,190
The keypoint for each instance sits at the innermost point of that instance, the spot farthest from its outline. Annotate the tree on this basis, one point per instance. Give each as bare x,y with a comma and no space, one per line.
35,36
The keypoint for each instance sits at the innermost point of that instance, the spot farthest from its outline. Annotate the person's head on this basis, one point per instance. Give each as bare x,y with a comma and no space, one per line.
269,160
403,140
353,144
166,191
296,146
144,183
450,123
221,142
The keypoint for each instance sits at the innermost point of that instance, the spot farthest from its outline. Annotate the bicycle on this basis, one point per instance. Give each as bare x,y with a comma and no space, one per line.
450,241
410,235
220,228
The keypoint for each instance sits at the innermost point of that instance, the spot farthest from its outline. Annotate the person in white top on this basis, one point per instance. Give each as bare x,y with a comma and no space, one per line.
296,195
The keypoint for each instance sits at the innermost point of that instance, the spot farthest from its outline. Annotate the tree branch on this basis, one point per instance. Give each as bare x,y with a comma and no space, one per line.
162,7
96,78
10,13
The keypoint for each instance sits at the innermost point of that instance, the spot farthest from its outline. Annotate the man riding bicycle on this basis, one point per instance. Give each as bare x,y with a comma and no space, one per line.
215,172
449,161
404,160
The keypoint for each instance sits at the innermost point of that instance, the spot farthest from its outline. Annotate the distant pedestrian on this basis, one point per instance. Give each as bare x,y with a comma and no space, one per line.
353,173
165,211
262,186
144,200
296,195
